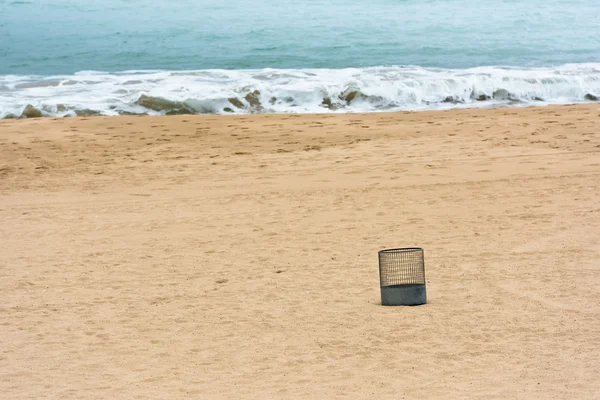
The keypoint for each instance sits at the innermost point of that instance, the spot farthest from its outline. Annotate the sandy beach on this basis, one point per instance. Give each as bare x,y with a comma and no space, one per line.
235,257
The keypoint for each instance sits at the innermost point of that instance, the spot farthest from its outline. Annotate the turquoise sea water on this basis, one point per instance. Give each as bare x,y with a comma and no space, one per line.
396,54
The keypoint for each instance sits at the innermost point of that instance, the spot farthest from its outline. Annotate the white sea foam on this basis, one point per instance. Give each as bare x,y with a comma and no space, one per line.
300,91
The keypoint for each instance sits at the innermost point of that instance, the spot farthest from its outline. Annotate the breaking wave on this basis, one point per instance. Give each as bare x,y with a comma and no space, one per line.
293,91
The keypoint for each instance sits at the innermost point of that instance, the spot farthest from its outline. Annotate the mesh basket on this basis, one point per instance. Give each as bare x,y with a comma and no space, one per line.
402,276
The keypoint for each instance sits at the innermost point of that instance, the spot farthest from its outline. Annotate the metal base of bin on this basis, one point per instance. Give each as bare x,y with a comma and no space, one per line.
403,295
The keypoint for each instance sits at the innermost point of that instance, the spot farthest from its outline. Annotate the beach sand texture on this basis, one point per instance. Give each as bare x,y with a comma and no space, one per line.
222,257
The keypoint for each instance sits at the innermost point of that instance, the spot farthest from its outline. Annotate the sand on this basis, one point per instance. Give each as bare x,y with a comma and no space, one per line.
235,257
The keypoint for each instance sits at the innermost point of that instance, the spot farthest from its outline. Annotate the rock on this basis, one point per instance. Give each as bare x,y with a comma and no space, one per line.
236,102
483,97
253,100
61,108
86,112
273,100
31,112
450,99
502,94
160,104
228,109
591,97
349,95
330,104
10,116
183,111
538,99
121,112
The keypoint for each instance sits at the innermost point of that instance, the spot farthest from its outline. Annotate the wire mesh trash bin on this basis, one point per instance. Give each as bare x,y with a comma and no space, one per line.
402,277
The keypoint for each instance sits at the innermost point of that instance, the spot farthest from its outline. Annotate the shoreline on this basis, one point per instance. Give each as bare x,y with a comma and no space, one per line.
393,88
308,114
31,112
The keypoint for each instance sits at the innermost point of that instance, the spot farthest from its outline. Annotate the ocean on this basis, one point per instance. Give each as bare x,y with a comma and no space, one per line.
67,57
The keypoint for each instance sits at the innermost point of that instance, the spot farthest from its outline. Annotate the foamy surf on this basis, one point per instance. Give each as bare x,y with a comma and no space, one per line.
294,91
